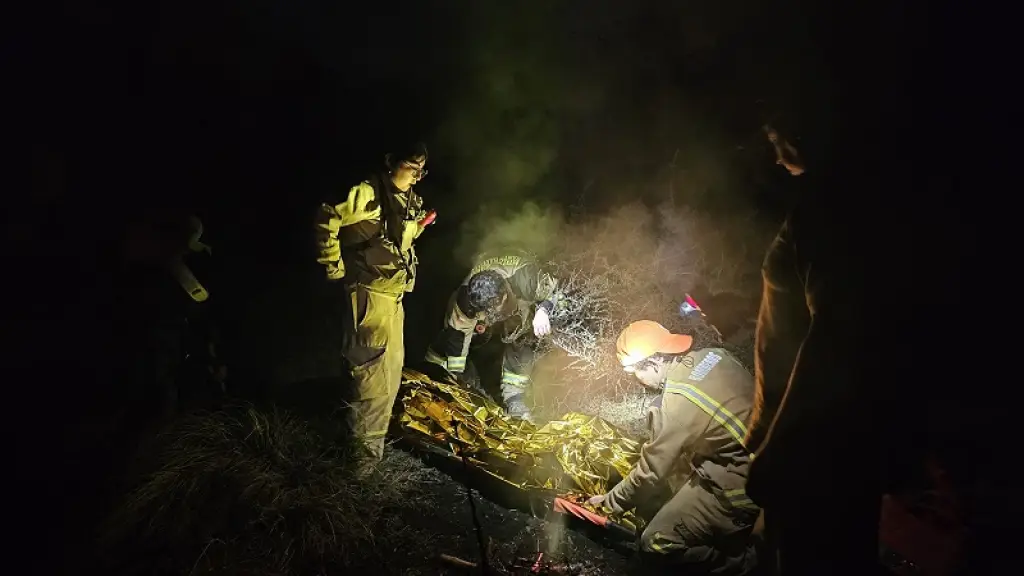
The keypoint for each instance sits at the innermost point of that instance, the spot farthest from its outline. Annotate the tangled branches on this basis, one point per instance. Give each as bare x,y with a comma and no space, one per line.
634,264
581,321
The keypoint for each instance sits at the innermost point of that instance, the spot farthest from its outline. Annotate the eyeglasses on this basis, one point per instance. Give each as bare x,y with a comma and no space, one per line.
641,365
417,171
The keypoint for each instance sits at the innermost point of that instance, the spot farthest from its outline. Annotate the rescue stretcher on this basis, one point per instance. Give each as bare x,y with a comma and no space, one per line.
554,467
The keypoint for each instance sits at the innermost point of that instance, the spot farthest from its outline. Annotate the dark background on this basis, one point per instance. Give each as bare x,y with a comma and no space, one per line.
249,113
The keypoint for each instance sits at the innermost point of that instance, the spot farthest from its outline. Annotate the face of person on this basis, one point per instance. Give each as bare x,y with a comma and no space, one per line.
409,172
786,155
647,372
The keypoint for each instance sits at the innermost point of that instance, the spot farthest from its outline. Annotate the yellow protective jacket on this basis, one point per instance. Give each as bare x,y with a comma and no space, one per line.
698,427
368,236
531,286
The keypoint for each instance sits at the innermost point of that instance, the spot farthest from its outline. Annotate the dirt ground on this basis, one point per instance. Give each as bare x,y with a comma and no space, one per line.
514,539
266,492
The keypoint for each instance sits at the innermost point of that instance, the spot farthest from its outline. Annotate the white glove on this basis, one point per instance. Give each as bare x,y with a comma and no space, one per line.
541,323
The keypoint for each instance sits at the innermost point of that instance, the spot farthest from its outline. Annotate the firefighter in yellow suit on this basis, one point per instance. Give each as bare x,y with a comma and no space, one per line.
692,474
366,242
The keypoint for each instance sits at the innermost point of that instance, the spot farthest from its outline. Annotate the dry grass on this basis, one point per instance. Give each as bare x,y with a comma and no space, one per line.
638,263
248,492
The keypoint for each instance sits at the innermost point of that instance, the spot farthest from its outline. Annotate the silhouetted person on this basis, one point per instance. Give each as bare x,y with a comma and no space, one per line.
837,415
166,334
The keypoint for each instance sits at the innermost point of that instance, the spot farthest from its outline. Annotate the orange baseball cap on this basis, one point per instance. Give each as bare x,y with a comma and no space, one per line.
645,338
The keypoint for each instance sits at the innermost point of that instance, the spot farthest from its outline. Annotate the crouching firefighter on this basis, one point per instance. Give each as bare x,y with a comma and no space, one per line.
510,292
366,242
689,481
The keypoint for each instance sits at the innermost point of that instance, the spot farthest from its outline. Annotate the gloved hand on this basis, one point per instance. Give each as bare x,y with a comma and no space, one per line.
541,323
336,271
601,500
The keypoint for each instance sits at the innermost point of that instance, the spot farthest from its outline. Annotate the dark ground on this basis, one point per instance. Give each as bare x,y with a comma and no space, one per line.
261,511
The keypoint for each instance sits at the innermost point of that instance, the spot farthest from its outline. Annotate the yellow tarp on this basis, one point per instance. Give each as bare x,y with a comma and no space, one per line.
575,456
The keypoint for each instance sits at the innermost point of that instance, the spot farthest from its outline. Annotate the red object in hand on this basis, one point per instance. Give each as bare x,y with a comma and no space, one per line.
428,219
567,507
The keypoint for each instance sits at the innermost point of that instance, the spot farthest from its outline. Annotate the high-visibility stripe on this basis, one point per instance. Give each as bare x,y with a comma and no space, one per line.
662,545
739,498
727,419
457,364
513,378
435,358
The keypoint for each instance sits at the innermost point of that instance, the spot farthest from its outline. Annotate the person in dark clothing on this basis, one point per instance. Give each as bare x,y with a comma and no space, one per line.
169,344
836,419
509,290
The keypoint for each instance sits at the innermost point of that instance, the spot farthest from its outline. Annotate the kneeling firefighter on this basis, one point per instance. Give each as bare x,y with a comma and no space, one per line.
509,290
366,239
691,475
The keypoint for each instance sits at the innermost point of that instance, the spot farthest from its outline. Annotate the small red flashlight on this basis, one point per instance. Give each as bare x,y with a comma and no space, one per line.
428,219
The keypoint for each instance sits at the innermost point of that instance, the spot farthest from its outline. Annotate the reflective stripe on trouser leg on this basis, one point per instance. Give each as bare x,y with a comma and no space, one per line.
513,384
738,499
516,367
376,352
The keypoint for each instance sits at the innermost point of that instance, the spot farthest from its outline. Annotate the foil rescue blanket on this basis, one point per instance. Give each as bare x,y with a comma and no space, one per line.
574,457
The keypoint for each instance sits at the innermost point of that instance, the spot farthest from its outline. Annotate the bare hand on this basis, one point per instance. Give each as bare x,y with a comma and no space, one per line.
541,323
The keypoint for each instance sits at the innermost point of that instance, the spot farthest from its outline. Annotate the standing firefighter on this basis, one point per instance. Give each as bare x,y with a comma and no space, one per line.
510,289
692,473
367,240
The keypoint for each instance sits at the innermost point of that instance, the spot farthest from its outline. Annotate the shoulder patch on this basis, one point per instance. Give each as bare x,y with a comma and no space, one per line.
701,370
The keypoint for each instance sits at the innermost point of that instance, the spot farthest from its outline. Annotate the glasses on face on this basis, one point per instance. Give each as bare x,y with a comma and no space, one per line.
417,171
641,365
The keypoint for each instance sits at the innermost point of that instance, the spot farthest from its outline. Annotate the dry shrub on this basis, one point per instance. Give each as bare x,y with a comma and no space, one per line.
636,263
251,492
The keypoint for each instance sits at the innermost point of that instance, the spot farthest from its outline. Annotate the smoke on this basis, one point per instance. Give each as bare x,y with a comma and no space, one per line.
628,263
532,227
599,138
504,126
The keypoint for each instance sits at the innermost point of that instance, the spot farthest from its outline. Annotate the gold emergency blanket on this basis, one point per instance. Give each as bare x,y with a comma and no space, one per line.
577,455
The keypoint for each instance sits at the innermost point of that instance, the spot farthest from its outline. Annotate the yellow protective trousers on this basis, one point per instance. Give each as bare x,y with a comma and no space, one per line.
374,348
